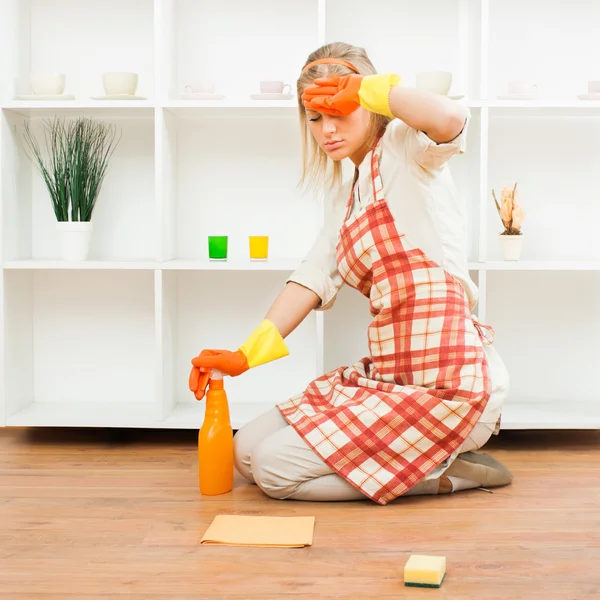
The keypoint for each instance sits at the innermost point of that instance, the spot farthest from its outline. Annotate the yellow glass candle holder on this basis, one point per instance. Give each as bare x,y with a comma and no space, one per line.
259,247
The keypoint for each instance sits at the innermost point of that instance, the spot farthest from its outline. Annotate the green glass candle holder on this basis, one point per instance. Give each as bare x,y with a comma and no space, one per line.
217,247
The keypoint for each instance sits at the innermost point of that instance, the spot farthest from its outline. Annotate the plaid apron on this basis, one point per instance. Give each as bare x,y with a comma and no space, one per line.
389,420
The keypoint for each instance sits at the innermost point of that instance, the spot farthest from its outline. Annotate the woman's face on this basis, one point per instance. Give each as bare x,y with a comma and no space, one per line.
341,137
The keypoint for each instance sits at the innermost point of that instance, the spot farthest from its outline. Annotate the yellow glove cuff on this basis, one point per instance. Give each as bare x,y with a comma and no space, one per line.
374,92
264,345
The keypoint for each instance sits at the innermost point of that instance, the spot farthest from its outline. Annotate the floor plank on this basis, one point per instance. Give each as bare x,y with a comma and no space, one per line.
90,514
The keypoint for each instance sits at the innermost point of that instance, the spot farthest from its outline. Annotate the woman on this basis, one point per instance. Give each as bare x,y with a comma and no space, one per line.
404,420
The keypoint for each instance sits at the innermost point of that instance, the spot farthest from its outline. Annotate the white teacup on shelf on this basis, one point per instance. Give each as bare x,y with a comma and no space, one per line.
520,90
521,87
47,84
436,82
201,90
593,86
273,87
200,87
593,90
116,83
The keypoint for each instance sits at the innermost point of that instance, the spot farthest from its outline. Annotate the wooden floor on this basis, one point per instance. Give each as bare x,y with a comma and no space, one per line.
99,514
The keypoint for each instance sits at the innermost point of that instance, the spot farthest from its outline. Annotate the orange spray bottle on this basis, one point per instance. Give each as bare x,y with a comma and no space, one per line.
215,441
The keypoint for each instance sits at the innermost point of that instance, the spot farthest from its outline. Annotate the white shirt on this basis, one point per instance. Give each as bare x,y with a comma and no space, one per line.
422,198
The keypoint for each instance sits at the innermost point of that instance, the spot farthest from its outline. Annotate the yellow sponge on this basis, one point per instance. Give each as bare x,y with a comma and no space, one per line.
425,571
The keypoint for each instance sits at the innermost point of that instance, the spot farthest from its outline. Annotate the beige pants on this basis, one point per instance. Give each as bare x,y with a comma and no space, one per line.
270,453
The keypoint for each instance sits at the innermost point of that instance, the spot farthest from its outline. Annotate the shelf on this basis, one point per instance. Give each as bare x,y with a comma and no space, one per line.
86,414
283,264
190,415
575,108
187,109
537,265
39,265
108,341
557,414
242,108
101,108
145,265
230,265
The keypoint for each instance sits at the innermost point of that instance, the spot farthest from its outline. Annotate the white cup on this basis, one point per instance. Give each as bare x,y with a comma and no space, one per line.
119,83
273,87
594,86
47,84
436,82
521,87
201,87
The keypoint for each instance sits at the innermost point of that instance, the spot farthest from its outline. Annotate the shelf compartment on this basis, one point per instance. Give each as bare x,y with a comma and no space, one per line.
125,216
132,109
215,310
81,40
547,326
394,43
79,340
538,413
522,46
254,192
556,181
274,47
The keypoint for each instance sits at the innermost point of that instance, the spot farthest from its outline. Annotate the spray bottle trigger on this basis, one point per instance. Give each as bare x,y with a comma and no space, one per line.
203,381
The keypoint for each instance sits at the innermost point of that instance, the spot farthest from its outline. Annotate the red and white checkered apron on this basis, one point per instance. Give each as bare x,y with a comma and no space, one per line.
387,421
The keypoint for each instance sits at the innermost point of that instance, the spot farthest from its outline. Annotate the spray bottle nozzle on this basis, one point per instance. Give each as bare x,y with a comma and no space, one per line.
216,380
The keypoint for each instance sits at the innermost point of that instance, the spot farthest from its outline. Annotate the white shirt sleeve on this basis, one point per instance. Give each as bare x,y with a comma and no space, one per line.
422,150
318,271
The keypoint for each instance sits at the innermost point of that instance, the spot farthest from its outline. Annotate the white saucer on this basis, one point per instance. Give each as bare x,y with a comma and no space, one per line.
589,96
518,97
457,97
119,97
202,96
43,98
271,96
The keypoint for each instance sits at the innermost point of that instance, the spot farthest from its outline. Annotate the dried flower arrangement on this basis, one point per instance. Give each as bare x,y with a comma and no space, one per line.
510,211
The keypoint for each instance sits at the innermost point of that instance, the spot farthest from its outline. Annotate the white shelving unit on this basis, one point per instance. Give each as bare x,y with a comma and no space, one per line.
108,342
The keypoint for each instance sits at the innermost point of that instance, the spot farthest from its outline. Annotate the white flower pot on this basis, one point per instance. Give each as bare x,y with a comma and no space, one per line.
74,238
511,246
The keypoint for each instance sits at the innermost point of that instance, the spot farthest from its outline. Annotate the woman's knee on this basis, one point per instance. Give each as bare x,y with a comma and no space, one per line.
252,434
268,467
243,443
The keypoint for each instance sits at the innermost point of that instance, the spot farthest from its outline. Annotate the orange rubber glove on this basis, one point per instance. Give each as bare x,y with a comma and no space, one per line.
263,345
341,96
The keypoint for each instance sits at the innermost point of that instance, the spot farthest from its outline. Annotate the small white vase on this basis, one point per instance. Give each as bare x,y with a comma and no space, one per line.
511,246
74,237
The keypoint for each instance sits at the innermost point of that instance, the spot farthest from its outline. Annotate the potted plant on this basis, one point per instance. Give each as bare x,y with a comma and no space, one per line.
79,152
512,215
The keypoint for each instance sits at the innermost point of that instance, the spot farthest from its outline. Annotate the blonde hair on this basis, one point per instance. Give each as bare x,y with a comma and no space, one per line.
317,168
